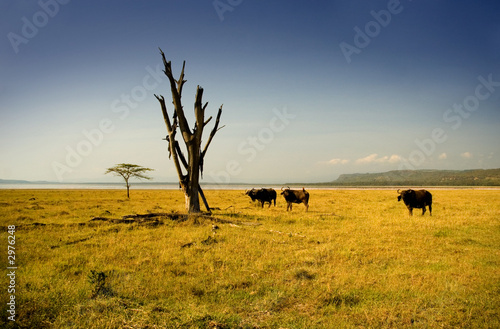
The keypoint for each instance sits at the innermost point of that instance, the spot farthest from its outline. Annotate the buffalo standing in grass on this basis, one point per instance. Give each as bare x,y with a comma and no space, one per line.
263,195
416,199
295,196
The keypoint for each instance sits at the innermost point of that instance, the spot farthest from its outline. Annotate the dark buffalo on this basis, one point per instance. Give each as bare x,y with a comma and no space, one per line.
416,199
263,195
295,196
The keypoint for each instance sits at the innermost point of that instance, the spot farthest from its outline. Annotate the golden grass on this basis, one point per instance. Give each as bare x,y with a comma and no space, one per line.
356,259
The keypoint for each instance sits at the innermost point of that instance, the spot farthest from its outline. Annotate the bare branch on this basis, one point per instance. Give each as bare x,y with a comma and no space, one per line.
172,143
181,81
161,99
166,65
199,112
204,199
208,120
181,155
212,133
175,88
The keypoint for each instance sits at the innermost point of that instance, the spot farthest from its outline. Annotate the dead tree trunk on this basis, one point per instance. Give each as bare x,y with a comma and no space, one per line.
188,171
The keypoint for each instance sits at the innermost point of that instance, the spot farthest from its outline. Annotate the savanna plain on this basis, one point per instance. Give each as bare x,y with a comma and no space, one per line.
354,260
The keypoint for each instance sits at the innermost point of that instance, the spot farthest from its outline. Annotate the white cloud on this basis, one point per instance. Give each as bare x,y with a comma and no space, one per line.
466,155
443,156
374,158
338,161
394,158
369,159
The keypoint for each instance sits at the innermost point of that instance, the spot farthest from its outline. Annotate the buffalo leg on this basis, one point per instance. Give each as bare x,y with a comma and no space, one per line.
410,210
430,210
423,210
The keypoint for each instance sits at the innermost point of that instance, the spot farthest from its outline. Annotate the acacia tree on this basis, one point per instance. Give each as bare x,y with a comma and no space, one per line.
188,170
127,171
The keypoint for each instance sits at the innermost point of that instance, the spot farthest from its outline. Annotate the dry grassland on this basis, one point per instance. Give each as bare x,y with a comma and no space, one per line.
355,260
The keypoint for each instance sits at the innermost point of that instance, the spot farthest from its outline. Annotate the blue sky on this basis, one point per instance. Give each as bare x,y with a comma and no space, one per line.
311,90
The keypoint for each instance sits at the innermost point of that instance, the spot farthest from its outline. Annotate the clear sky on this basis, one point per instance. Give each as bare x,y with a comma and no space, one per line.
311,89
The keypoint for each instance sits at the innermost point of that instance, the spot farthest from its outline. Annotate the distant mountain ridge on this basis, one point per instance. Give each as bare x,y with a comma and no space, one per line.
475,177
14,181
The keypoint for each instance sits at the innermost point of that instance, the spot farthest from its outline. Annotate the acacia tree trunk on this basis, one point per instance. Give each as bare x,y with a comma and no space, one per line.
189,181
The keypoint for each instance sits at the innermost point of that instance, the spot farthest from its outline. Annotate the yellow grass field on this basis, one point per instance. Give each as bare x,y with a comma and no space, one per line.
355,260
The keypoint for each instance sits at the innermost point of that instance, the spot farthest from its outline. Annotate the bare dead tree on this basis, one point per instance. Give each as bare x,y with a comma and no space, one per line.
188,170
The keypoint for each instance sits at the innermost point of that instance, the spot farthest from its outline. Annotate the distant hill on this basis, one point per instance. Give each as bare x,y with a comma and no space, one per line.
13,181
476,177
19,181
